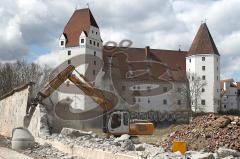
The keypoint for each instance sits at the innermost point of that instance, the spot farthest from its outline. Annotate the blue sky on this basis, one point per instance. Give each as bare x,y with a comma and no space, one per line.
30,28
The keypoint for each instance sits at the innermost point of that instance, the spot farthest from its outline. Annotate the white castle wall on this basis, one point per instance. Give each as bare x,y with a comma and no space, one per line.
212,74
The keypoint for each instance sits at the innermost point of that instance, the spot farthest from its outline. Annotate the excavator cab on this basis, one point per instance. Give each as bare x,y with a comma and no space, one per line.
118,123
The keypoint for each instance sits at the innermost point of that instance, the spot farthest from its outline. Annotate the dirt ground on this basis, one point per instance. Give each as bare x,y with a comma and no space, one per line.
158,135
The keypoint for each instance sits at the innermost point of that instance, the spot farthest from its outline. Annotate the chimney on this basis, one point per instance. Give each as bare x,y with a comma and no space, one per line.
147,51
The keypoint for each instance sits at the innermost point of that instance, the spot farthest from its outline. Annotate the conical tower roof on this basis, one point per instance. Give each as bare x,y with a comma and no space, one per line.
203,42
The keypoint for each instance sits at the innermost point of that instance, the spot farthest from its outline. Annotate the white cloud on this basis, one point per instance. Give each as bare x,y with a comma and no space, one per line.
50,59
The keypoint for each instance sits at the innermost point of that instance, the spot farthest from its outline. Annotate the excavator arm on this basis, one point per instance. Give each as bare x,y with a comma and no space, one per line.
82,83
97,95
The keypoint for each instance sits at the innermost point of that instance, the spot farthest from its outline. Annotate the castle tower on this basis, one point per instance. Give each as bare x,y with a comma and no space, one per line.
81,36
203,61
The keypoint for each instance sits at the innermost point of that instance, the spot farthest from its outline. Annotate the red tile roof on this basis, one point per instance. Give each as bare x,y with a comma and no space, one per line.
203,42
162,60
81,20
226,80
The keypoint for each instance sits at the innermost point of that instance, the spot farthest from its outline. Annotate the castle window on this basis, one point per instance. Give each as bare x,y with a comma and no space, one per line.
203,58
225,106
69,62
217,68
148,88
164,101
94,62
179,90
62,43
203,68
68,83
179,102
94,53
134,100
92,31
96,33
203,102
203,90
164,89
69,52
203,77
190,60
82,41
97,44
90,41
149,100
94,43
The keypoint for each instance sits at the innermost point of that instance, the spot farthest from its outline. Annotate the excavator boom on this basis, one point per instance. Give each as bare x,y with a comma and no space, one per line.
83,84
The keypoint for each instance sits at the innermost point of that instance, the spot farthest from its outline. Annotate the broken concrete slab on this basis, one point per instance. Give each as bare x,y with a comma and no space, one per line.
73,133
224,152
199,155
122,138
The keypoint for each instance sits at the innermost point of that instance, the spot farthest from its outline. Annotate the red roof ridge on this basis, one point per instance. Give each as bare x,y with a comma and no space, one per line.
182,51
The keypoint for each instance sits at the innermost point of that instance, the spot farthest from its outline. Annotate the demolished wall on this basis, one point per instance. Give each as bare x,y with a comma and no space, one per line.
13,109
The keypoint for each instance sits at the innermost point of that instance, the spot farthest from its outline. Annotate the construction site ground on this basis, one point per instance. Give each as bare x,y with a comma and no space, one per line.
205,135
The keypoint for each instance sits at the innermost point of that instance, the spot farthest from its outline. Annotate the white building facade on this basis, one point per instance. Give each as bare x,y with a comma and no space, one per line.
229,95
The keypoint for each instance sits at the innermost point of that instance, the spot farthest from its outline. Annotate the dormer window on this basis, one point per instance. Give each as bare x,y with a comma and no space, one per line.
62,43
82,41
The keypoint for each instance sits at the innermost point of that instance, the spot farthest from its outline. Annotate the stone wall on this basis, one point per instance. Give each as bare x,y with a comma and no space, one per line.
13,109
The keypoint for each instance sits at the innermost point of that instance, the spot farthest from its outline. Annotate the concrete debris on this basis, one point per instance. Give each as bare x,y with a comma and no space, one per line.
73,133
44,151
122,138
128,145
208,132
223,152
139,147
199,155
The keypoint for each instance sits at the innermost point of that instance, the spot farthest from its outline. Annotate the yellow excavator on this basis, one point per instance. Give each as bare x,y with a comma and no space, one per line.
115,122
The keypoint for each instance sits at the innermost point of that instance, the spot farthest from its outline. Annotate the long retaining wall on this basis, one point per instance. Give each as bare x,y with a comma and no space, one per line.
13,109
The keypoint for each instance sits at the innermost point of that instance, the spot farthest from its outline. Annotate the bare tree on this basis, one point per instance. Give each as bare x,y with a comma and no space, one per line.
15,74
192,91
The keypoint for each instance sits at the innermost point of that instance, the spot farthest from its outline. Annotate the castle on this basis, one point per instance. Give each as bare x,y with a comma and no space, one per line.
161,87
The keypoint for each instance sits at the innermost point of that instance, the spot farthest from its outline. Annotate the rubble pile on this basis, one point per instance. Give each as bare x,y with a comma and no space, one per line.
208,132
44,151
